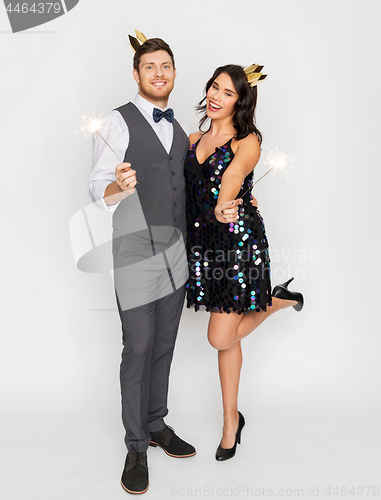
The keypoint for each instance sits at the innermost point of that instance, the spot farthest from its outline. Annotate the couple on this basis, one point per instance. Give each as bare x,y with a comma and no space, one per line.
199,195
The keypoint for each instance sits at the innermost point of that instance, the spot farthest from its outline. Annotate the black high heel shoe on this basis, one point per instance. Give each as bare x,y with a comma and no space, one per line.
226,453
281,292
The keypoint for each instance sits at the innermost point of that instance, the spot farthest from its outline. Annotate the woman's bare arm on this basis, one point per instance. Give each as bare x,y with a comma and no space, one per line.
245,159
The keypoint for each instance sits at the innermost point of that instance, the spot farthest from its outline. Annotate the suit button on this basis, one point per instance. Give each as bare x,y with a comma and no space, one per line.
171,158
175,204
173,173
175,189
175,220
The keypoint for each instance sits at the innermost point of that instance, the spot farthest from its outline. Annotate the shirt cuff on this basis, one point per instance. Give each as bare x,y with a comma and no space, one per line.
97,192
110,208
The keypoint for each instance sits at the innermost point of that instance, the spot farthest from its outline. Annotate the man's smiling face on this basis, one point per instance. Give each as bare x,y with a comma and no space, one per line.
156,77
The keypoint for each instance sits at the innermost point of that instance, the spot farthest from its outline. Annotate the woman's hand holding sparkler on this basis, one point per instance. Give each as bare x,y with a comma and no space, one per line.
227,211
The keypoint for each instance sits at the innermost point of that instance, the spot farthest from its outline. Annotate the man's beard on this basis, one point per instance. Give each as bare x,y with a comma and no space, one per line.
147,90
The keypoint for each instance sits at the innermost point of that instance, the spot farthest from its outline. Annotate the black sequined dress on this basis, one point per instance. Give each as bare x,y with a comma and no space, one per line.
229,264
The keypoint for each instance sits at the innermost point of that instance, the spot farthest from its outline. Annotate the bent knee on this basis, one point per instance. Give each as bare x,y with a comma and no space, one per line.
218,342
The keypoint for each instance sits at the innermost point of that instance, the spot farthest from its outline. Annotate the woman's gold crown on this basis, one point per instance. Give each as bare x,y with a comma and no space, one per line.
254,75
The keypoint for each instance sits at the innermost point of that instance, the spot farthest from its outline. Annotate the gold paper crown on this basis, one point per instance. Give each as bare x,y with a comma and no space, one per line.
138,41
254,75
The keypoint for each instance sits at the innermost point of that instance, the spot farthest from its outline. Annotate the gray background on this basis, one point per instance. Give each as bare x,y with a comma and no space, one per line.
310,387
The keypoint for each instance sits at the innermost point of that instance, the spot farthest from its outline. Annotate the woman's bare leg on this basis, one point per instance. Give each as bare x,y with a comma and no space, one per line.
229,366
225,330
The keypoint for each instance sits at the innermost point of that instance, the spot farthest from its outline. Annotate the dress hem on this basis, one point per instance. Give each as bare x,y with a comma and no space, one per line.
228,310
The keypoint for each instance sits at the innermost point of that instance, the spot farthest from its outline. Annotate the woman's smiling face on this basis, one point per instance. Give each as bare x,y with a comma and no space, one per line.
221,98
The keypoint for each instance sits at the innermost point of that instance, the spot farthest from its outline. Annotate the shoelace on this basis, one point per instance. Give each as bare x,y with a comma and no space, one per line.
138,457
169,432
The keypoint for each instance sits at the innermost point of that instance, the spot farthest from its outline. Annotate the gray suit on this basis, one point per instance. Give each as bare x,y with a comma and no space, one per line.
150,271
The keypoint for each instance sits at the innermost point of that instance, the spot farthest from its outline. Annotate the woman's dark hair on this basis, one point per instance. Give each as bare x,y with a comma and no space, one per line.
152,45
244,117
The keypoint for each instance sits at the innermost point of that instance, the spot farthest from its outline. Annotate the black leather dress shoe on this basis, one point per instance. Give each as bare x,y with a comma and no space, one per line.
171,444
226,453
135,474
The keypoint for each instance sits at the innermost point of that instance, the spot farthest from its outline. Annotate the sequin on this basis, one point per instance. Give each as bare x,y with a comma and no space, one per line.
230,272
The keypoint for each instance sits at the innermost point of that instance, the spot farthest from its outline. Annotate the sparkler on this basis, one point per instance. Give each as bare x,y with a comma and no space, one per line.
278,161
93,125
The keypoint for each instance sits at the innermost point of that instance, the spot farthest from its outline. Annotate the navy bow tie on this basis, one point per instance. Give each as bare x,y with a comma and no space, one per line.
158,114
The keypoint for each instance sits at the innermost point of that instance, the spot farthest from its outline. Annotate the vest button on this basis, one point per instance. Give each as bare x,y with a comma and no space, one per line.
173,173
175,204
175,188
175,220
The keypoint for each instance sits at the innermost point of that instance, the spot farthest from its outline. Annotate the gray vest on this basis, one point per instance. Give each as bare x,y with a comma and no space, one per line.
161,189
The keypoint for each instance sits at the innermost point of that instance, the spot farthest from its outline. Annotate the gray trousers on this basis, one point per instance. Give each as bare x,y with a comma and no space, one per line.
151,274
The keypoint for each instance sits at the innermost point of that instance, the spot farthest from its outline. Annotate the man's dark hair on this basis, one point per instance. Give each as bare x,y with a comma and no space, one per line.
152,45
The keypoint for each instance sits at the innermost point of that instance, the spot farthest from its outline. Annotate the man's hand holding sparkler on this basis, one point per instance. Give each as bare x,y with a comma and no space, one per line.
123,186
125,182
125,177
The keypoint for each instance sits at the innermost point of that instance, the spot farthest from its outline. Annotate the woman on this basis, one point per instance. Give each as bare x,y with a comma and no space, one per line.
229,270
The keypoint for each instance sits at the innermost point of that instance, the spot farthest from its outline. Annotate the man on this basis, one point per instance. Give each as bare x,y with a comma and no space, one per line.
146,192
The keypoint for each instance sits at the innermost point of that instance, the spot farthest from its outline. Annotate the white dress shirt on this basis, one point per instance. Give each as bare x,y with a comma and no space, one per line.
115,131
